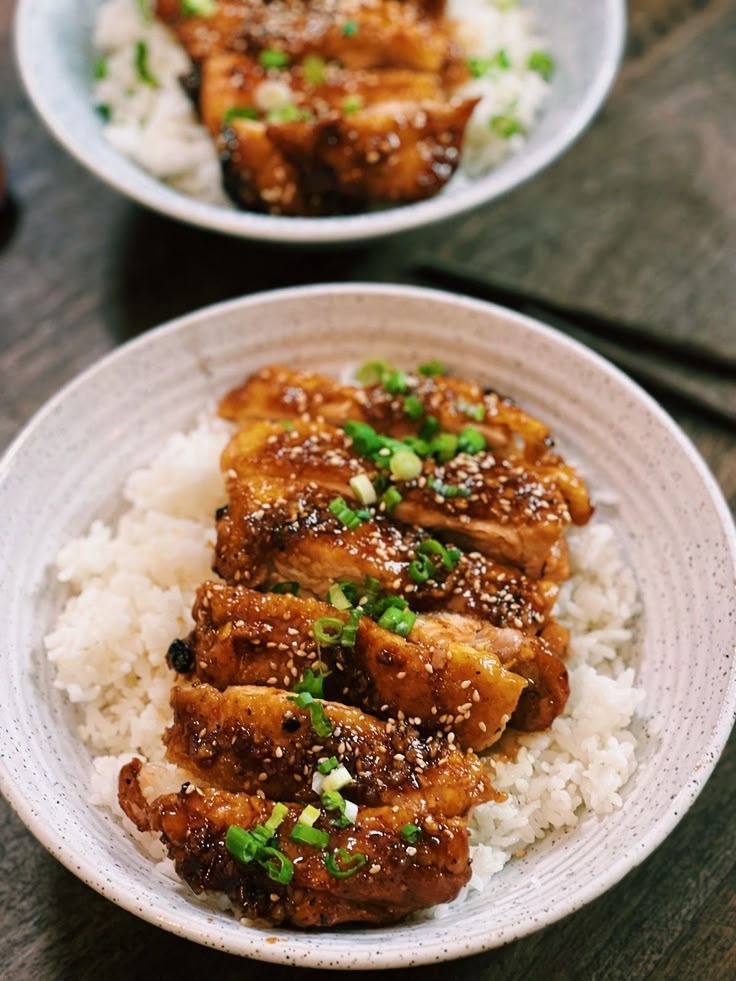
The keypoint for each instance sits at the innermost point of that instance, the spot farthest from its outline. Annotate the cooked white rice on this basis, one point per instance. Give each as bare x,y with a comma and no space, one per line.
158,128
133,587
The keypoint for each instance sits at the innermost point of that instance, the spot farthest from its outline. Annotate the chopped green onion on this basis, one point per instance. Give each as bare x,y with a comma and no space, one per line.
310,836
372,372
475,410
337,597
288,113
349,28
285,587
453,556
320,722
431,546
101,67
311,683
413,407
363,489
276,819
542,63
405,465
327,630
198,8
350,630
337,779
505,126
387,602
398,621
239,112
278,866
395,383
471,441
365,439
241,844
411,833
105,111
349,864
352,104
421,569
287,424
371,589
141,65
430,427
308,816
327,766
432,368
313,69
444,446
344,514
269,58
331,800
420,446
447,490
146,9
391,499
350,591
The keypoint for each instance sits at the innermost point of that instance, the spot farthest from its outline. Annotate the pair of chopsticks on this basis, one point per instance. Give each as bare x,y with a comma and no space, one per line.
695,373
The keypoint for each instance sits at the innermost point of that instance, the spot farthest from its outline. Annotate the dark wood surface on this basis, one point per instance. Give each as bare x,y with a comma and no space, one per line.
638,221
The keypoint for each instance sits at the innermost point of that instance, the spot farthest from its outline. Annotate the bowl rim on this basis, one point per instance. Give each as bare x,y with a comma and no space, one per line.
289,950
147,190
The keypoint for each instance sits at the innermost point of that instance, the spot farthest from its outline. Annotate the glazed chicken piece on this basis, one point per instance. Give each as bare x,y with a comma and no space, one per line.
276,392
265,532
258,739
397,878
242,637
359,34
231,81
513,513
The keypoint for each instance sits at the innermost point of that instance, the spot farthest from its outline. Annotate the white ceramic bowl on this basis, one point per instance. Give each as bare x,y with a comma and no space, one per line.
55,57
68,467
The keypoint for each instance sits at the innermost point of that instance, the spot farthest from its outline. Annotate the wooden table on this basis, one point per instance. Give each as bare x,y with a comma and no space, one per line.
638,220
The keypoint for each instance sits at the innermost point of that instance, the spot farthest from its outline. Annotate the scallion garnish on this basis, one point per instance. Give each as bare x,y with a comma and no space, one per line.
337,598
337,779
411,833
239,112
344,514
285,587
542,63
419,446
276,819
444,446
349,864
474,410
278,866
101,67
447,490
270,58
331,800
397,621
349,28
313,69
308,816
405,465
430,546
371,589
310,682
249,846
140,59
505,126
372,372
327,766
391,499
327,630
198,8
365,439
363,489
241,844
352,104
421,569
288,113
320,722
432,368
395,383
471,441
413,407
310,836
350,630
430,427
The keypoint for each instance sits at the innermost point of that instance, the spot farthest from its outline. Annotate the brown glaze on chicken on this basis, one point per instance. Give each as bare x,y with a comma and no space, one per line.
511,512
257,739
365,109
276,392
396,878
242,637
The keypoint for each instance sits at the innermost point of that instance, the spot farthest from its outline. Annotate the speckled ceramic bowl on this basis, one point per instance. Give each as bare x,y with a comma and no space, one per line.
56,62
61,473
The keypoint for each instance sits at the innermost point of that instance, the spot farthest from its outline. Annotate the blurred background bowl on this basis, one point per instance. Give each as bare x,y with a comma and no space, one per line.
54,50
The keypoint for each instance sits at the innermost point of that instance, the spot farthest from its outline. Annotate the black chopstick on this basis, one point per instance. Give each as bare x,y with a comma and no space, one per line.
456,274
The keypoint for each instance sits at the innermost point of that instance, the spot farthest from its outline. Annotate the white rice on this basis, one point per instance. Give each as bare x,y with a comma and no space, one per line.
133,587
158,128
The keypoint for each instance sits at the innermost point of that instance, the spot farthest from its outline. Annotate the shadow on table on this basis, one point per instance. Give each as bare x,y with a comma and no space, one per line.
164,269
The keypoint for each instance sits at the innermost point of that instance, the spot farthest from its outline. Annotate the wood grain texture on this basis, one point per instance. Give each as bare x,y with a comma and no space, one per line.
637,220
